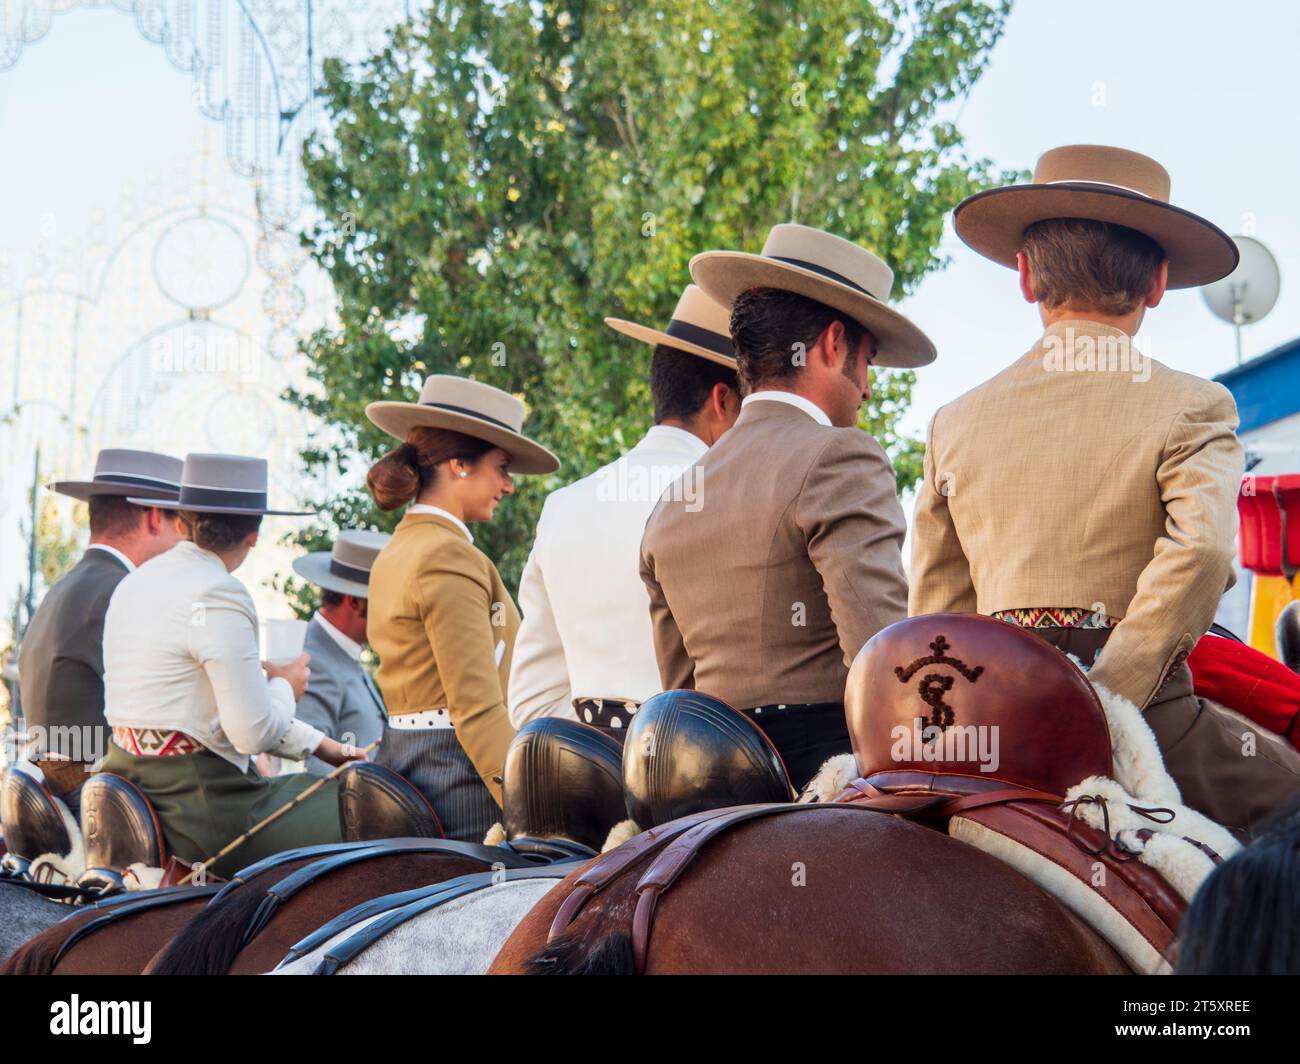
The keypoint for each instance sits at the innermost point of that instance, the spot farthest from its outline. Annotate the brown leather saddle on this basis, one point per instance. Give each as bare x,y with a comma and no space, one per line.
1032,728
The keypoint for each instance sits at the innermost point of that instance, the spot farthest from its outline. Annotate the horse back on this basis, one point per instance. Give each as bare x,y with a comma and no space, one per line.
831,891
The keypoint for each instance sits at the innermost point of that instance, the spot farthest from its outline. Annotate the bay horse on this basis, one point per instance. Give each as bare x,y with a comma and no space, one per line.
114,937
826,889
250,929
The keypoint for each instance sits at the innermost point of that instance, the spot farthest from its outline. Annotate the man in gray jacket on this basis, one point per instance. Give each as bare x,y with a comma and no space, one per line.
341,699
61,660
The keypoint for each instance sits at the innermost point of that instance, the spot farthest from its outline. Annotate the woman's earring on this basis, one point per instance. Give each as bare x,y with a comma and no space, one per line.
463,473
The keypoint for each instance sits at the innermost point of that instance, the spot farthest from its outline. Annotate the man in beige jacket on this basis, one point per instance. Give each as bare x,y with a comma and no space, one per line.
778,555
1087,491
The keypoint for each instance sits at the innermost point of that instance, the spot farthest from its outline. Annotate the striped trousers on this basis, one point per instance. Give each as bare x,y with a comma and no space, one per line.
433,760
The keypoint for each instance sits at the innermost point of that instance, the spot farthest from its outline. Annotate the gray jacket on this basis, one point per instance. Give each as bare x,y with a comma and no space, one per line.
341,700
61,661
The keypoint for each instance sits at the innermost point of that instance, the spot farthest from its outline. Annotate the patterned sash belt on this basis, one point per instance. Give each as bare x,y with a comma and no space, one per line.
155,742
1056,617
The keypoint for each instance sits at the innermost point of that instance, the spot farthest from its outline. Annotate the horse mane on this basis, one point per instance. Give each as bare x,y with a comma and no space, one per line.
607,954
210,942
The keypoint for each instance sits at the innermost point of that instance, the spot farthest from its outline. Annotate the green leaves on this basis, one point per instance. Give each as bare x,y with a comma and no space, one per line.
505,175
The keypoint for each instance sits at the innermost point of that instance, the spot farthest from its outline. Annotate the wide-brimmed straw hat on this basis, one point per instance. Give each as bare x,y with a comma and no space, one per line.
345,568
1104,184
699,326
222,484
826,268
472,408
119,471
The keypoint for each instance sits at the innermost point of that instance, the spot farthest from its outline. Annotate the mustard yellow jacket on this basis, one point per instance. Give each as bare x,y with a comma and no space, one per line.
444,628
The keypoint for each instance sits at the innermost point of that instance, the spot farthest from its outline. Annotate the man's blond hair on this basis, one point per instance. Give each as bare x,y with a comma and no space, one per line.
1090,265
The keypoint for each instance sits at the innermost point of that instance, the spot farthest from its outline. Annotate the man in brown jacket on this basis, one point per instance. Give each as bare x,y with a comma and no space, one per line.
1087,491
778,555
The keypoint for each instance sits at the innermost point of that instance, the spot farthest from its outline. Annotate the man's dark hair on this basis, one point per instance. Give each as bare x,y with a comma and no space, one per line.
680,383
768,323
112,515
331,598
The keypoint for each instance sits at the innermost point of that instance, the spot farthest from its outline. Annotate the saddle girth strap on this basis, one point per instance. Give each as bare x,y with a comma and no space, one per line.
308,874
387,902
681,851
936,804
609,866
128,905
439,894
319,849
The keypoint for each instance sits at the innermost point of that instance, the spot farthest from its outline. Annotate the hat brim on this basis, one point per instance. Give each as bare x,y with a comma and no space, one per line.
245,510
82,490
993,223
655,337
315,569
725,274
397,419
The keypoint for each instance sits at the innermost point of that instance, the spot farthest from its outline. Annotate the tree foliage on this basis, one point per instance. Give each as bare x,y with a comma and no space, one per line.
505,175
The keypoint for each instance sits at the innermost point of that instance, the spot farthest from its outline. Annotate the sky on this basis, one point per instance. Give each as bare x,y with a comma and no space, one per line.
1206,89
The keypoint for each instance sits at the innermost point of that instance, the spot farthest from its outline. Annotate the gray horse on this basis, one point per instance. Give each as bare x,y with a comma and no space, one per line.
24,914
460,937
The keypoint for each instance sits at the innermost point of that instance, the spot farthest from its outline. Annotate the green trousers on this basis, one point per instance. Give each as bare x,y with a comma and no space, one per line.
205,802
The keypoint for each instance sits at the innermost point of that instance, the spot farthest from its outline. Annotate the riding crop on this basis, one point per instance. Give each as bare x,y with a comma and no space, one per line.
201,869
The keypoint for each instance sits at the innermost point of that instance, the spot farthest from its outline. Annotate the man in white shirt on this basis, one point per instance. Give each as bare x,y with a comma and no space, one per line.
61,661
341,700
586,636
187,696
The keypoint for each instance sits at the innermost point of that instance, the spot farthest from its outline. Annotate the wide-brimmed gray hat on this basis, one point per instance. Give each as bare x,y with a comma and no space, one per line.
699,326
346,568
472,408
827,268
119,471
222,484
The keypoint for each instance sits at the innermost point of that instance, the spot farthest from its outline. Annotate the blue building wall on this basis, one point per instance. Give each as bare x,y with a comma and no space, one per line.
1266,388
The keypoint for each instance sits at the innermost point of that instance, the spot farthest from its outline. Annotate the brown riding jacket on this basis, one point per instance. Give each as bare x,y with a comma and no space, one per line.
778,557
439,611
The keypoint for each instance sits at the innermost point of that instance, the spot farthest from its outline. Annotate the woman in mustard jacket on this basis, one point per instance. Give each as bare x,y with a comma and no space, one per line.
441,620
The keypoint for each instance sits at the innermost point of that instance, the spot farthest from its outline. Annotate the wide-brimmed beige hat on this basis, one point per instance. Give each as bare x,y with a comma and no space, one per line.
222,484
119,471
829,269
1103,184
470,407
346,567
699,326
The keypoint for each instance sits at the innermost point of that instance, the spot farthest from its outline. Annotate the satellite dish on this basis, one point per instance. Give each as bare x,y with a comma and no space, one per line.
1248,293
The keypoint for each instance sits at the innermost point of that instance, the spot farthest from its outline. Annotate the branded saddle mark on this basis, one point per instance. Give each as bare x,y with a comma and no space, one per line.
934,685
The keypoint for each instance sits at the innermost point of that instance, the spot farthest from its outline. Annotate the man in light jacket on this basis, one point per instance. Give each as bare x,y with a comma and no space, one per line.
1088,492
